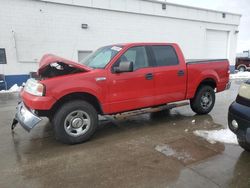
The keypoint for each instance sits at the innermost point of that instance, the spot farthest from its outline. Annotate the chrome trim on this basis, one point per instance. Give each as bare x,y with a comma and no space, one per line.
100,79
26,118
77,123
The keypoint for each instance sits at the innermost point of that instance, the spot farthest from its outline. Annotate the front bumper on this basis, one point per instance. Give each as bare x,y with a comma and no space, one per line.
26,118
241,114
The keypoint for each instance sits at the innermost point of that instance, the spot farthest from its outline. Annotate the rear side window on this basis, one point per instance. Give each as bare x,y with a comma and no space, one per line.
165,55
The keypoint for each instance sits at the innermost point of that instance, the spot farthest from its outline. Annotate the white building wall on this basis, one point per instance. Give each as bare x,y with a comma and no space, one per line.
31,28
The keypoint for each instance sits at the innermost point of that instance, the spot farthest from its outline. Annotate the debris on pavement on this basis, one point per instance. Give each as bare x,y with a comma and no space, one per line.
170,152
13,89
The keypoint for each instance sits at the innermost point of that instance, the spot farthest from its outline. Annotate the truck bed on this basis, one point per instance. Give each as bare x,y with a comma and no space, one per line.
213,69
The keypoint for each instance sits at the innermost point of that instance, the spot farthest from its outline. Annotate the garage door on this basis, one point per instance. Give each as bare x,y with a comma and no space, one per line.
216,44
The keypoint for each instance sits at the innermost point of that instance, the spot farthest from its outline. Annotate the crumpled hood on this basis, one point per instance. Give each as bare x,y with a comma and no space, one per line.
48,59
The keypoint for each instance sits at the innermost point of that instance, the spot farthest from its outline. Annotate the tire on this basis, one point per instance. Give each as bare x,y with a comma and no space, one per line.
242,69
204,100
244,145
75,122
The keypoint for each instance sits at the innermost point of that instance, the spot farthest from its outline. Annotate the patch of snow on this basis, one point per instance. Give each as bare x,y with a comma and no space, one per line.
213,136
240,75
166,150
170,152
15,88
193,121
186,130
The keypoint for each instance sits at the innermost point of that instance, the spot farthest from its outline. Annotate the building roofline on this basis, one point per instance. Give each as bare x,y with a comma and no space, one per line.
192,7
143,13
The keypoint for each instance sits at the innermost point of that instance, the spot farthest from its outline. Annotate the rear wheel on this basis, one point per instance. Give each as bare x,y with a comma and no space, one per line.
75,122
242,69
204,100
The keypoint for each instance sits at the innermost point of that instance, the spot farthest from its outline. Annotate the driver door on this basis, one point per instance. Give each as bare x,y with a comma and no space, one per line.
132,90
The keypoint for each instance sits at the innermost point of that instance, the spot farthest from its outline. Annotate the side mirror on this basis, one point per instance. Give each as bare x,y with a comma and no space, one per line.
124,66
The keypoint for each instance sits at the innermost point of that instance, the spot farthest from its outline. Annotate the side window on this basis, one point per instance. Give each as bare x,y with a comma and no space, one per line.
165,55
2,56
137,55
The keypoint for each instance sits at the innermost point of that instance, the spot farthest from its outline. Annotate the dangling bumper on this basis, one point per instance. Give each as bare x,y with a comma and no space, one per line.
25,117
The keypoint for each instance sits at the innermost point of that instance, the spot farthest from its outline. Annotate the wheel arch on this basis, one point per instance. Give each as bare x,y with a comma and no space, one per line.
209,82
241,65
93,100
206,82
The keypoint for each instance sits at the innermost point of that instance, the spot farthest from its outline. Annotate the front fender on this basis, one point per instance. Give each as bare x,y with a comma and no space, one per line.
61,86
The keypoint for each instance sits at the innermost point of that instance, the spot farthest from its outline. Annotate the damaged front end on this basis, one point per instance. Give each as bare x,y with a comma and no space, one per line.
50,66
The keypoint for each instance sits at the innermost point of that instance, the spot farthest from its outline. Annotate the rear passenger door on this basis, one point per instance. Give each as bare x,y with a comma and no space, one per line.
170,76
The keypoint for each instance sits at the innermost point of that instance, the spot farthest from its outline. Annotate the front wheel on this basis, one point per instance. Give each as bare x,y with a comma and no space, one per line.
204,100
75,122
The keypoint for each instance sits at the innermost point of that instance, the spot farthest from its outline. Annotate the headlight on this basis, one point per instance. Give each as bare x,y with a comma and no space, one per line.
244,90
33,87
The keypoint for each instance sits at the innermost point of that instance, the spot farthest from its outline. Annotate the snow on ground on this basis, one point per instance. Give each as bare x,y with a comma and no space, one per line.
170,152
240,75
15,88
213,136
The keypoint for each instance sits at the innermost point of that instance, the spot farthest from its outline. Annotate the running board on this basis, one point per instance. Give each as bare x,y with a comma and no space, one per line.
150,110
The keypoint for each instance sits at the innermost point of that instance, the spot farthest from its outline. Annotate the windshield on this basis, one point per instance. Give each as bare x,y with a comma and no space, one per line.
101,57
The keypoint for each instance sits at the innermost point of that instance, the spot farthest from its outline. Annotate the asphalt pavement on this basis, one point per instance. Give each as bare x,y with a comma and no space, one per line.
123,152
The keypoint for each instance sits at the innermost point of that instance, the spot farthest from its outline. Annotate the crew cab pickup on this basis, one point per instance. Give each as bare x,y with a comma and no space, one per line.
113,80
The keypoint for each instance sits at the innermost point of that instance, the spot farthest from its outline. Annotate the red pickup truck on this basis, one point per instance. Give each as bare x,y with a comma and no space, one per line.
113,80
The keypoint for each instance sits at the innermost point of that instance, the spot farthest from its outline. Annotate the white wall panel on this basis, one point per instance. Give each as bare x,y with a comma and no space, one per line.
30,29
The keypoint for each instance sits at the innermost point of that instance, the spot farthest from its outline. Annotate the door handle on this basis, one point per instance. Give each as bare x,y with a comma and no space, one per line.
149,76
180,73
